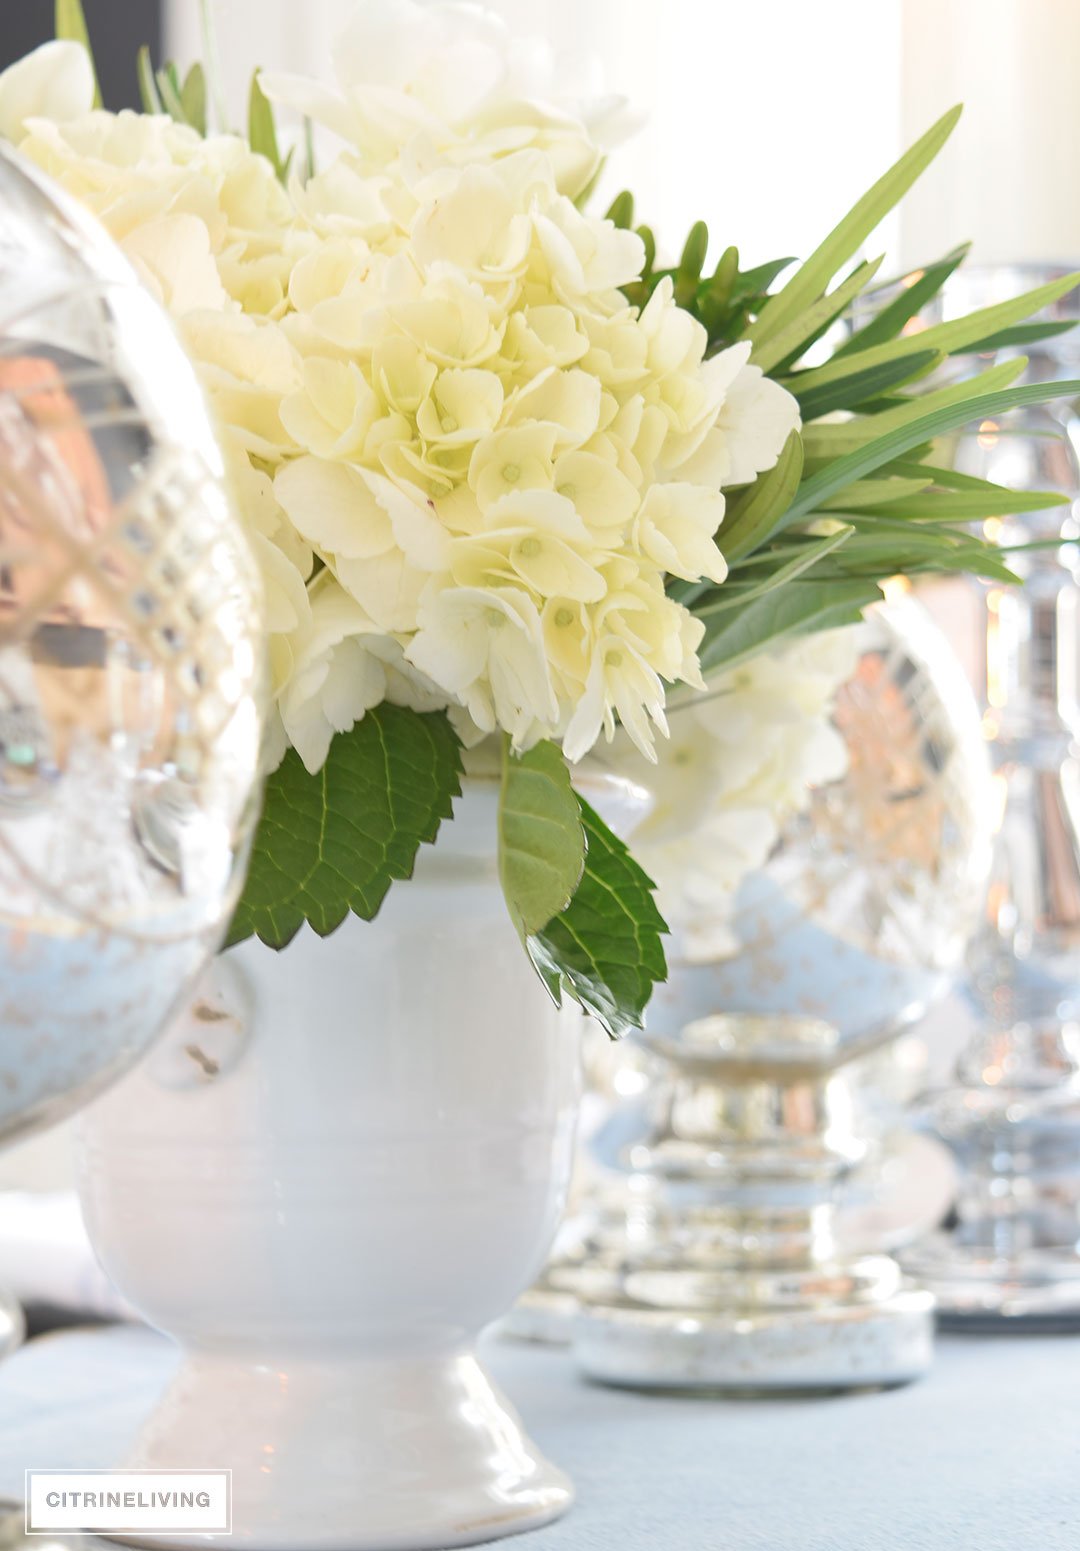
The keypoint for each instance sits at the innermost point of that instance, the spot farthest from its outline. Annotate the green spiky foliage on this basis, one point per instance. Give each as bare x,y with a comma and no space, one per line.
857,496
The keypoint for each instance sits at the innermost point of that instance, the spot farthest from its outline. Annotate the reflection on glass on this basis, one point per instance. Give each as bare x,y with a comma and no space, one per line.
130,669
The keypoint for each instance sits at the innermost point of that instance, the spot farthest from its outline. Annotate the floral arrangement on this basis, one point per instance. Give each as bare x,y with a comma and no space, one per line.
509,477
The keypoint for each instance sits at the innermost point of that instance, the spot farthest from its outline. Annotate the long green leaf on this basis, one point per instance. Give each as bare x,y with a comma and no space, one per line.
836,440
768,560
193,97
811,279
1016,338
736,595
798,609
541,839
958,334
606,949
70,24
262,130
335,841
751,282
753,513
950,479
865,460
169,91
148,86
910,549
923,287
787,344
967,506
860,384
871,493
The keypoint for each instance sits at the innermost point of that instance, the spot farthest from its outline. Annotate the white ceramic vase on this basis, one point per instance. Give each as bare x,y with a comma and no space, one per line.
344,1162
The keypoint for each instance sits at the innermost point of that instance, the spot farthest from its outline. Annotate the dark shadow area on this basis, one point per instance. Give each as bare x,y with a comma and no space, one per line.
117,29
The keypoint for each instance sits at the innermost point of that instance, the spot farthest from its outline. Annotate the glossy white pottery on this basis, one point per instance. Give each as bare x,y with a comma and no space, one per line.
345,1161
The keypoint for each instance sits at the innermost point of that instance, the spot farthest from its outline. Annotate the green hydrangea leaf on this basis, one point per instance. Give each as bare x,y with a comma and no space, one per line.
541,839
334,842
606,948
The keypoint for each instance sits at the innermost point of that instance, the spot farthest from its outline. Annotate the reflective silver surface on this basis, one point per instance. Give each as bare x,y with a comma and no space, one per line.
130,663
714,1262
1012,1111
12,1327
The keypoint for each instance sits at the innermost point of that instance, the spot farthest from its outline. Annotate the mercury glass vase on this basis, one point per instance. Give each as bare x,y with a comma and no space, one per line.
130,663
131,678
1010,1257
715,1263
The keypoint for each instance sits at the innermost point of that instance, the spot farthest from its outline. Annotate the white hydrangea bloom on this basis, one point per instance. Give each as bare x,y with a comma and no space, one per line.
740,763
482,362
468,464
449,82
55,82
343,665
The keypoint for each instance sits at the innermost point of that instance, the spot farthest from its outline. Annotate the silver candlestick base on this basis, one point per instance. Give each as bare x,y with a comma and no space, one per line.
1013,1121
730,1276
898,1191
1011,1113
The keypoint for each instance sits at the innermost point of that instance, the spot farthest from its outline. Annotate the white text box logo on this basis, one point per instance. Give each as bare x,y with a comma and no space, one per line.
155,1502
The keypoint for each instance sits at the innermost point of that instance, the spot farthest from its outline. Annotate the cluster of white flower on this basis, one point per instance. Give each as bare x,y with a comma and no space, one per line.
741,763
468,465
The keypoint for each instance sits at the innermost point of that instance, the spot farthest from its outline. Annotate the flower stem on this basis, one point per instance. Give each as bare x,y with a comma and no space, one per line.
212,66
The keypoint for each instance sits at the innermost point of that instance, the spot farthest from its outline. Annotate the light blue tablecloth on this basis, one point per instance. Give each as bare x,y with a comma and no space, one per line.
983,1455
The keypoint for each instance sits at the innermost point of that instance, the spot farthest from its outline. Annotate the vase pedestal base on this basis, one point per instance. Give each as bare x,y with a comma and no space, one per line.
340,1454
852,1325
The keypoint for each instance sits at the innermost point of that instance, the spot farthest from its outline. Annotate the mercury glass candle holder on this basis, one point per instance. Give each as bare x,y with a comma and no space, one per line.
714,1261
1010,1256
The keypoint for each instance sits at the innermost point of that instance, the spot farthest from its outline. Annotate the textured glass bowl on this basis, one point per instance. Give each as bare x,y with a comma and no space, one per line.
130,663
860,917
